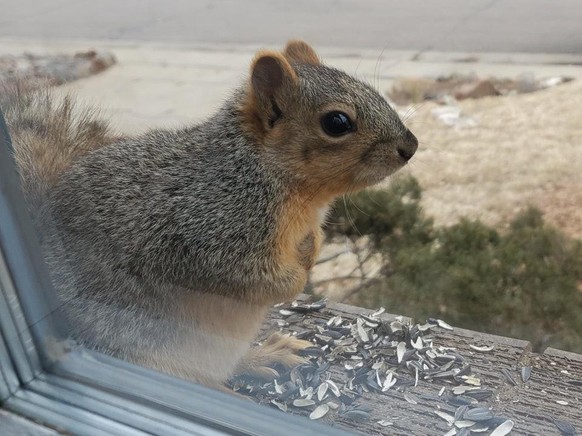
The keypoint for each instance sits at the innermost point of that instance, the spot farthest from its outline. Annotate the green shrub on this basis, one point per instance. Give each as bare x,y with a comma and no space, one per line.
524,282
392,218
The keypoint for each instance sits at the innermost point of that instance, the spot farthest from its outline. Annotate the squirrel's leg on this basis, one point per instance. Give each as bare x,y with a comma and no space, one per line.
278,350
281,350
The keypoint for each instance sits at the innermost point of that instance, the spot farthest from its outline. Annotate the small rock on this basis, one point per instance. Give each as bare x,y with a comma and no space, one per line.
480,89
553,81
526,83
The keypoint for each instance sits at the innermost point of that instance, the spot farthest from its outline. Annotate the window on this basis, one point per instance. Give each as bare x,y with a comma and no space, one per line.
452,240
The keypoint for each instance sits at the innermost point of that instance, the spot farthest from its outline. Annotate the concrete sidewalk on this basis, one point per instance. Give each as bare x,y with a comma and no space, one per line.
163,85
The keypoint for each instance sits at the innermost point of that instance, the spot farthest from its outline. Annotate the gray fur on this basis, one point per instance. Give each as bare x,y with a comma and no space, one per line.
179,225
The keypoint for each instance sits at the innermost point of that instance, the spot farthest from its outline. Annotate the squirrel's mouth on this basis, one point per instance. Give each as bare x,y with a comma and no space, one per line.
374,176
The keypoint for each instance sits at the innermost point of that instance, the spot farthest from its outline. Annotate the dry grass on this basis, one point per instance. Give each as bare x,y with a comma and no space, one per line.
526,149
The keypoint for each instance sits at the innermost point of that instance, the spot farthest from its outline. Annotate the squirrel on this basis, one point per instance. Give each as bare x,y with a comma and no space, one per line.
168,249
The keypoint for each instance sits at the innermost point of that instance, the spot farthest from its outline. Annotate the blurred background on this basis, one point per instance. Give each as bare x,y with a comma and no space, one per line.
483,229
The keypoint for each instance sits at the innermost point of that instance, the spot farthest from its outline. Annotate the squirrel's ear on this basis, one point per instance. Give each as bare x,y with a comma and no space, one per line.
299,51
270,71
271,81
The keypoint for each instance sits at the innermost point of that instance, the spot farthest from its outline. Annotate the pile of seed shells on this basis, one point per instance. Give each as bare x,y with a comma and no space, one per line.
376,355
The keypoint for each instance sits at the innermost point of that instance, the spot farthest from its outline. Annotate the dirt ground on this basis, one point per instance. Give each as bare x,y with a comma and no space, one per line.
521,150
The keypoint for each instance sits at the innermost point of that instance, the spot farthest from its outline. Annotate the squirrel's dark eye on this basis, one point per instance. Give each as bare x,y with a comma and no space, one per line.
336,123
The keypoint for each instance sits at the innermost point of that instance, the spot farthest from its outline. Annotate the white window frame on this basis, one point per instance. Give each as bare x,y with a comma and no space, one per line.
88,393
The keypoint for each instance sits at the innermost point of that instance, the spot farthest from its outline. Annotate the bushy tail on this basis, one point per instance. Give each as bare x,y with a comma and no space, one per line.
48,134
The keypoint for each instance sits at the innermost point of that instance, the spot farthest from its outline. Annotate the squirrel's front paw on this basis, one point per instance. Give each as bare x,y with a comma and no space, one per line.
278,350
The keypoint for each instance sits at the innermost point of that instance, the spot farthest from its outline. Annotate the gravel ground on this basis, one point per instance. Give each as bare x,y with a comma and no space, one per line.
32,70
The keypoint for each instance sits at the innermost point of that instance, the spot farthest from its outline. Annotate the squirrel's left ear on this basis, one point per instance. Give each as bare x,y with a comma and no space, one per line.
271,75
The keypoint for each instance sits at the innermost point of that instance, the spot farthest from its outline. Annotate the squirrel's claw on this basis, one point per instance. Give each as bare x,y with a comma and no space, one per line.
278,350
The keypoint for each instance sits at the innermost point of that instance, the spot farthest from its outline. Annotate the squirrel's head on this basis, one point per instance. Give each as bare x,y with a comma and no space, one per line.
331,131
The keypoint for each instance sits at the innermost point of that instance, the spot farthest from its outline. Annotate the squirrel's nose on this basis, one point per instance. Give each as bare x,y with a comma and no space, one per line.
408,146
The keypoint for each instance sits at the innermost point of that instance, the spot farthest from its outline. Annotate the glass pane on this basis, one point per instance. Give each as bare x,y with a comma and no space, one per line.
423,163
